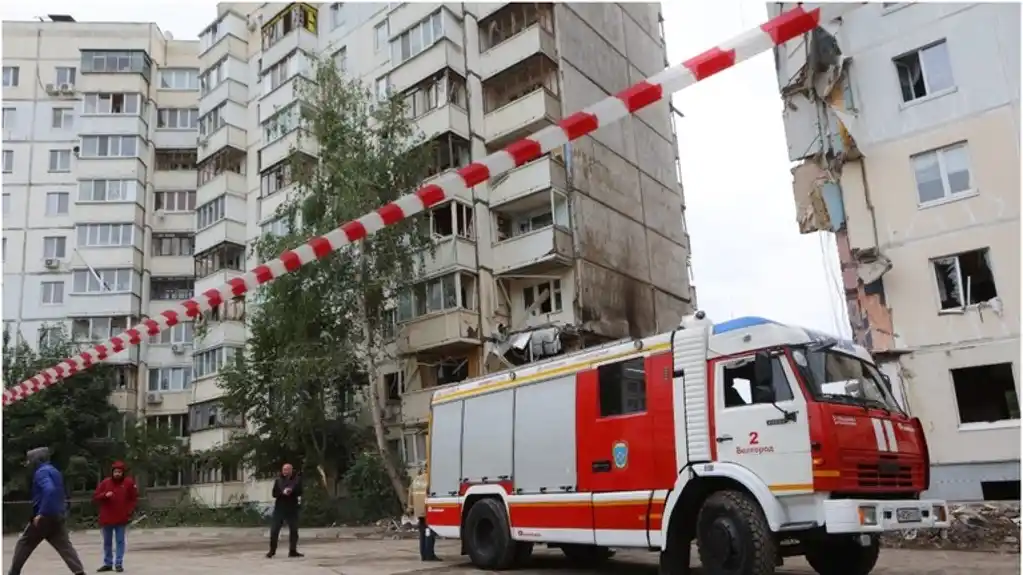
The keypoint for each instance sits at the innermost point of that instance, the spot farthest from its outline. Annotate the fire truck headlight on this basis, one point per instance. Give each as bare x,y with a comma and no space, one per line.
868,515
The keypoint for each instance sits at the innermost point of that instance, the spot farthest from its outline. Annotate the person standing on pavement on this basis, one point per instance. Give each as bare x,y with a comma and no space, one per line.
287,492
417,506
117,496
48,521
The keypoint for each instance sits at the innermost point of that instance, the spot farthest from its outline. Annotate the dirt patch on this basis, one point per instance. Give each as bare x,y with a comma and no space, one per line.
991,527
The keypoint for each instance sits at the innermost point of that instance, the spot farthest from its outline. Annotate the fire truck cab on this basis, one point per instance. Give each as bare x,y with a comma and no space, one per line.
756,439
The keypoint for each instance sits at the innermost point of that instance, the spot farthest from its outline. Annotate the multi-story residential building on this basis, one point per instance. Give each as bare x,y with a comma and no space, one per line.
580,246
908,141
99,183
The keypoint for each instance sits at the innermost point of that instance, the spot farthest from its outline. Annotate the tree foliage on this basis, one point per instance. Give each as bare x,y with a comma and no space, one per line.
76,420
316,335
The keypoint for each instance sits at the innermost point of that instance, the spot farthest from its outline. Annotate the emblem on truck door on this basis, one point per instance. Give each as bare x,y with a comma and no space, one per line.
620,454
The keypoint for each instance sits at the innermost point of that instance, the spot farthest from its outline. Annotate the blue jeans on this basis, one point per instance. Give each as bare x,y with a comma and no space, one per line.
113,534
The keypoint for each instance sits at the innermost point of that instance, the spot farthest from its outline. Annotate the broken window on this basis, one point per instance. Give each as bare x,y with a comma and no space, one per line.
738,378
395,385
965,279
451,218
452,370
542,298
520,80
512,19
924,72
986,393
942,173
450,152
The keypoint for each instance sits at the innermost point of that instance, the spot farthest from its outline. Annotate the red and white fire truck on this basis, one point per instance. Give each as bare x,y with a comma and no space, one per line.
757,440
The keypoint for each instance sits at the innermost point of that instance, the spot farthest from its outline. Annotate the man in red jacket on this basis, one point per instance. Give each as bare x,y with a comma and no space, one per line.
116,496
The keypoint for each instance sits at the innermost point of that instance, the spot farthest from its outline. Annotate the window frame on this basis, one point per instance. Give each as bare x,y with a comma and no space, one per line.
605,371
918,53
11,76
939,155
59,245
52,285
778,367
62,118
56,157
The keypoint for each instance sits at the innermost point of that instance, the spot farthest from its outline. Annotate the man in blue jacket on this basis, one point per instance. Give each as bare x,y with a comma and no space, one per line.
48,508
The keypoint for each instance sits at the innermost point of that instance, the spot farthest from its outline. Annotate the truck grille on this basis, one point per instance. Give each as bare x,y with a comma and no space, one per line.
880,473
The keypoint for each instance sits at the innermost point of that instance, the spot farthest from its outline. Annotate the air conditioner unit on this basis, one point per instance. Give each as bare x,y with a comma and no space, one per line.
154,397
177,349
68,89
52,88
51,263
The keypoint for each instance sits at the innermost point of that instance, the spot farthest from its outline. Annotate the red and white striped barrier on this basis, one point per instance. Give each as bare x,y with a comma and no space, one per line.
778,30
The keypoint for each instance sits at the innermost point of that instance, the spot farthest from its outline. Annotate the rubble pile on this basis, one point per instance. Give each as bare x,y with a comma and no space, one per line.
975,527
399,528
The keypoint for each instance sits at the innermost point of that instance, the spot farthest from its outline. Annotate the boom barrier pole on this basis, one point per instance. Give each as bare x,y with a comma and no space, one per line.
777,31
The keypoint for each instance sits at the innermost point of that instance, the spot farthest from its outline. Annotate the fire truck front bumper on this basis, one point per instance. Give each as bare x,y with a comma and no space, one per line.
876,516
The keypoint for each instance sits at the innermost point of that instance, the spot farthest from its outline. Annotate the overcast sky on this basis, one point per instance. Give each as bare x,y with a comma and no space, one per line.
748,255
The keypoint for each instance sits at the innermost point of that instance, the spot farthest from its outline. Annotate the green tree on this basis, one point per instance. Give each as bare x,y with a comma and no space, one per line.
318,334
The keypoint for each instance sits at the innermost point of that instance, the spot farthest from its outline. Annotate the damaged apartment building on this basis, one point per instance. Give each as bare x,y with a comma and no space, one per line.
903,123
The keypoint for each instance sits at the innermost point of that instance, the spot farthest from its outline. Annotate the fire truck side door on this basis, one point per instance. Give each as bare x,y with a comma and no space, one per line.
752,432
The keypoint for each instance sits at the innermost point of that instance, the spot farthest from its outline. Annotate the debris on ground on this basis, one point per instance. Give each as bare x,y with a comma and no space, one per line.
993,526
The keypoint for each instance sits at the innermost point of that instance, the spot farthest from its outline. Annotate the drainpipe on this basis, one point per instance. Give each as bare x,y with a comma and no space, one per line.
28,192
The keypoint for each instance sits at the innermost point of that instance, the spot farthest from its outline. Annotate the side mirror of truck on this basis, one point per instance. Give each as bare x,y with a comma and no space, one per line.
887,381
763,388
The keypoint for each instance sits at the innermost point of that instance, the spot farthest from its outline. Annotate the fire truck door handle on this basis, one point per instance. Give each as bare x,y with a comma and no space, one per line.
724,438
602,466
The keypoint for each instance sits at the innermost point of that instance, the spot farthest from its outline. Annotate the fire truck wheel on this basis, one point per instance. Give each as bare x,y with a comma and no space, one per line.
842,556
733,537
587,555
488,535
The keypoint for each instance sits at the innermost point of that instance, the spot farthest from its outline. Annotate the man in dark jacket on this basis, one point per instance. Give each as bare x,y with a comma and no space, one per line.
117,496
287,491
48,509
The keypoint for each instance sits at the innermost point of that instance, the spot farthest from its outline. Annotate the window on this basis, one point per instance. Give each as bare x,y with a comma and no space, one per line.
965,279
107,190
104,235
277,227
443,88
170,379
60,160
213,77
209,213
11,74
55,247
510,225
179,79
110,146
414,449
379,41
450,291
171,289
942,173
165,479
511,20
281,175
176,160
6,204
450,151
180,334
178,201
9,161
102,281
173,244
65,75
395,384
233,310
294,17
535,73
177,424
212,121
210,361
295,63
226,160
50,336
177,119
8,121
53,293
382,88
338,14
622,387
57,203
341,60
535,300
117,62
986,393
738,378
124,104
97,329
63,118
224,256
282,123
924,72
450,219
417,38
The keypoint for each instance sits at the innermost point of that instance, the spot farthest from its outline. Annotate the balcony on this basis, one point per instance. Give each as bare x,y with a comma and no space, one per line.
521,118
111,168
103,304
226,136
534,235
442,332
450,253
221,332
111,256
227,45
124,400
210,438
296,140
223,231
108,212
175,139
215,280
282,96
444,119
542,174
442,54
415,405
112,124
531,41
111,83
223,183
228,90
172,266
169,180
296,38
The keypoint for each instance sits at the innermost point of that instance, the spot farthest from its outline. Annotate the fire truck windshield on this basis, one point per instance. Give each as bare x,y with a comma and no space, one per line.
835,377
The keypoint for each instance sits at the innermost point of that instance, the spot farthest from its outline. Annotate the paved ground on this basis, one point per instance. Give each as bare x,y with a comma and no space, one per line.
328,552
